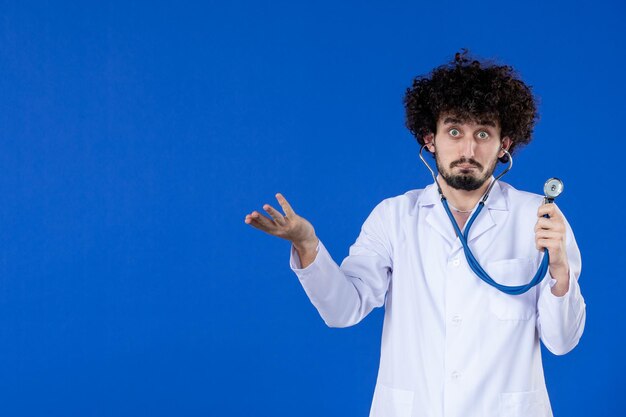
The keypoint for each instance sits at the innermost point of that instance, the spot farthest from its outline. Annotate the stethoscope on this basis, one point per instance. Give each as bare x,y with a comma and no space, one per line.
552,188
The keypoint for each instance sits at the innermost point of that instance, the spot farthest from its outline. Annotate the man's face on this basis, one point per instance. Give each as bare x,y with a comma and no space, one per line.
466,152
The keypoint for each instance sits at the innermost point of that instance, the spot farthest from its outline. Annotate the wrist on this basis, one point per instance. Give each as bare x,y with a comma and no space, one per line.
560,272
560,288
306,245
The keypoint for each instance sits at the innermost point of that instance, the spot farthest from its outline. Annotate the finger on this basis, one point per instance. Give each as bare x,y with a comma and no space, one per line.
549,244
544,242
285,205
259,226
552,242
278,218
550,224
542,223
550,209
541,244
546,209
553,224
261,222
272,231
549,234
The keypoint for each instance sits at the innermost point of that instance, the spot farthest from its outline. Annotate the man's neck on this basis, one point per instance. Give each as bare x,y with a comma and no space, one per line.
461,199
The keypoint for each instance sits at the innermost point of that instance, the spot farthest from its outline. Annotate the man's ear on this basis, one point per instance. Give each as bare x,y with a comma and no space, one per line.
506,144
429,141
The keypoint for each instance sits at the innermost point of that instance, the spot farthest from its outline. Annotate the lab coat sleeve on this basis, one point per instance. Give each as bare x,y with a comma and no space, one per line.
561,320
344,295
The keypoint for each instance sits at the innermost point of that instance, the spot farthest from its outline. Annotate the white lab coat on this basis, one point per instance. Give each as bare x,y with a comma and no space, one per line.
452,345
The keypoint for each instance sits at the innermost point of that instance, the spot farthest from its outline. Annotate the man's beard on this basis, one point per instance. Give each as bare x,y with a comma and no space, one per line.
466,182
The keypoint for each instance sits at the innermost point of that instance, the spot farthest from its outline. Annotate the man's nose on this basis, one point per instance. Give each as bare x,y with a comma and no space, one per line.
467,148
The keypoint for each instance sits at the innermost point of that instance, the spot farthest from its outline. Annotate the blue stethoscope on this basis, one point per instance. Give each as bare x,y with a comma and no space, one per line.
552,188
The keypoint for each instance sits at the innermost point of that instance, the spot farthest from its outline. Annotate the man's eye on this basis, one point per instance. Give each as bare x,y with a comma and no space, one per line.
454,132
483,135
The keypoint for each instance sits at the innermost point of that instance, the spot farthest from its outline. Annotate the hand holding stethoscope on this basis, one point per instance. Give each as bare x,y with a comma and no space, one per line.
550,234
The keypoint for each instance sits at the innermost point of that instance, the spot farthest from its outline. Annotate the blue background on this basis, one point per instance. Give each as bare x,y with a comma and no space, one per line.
136,136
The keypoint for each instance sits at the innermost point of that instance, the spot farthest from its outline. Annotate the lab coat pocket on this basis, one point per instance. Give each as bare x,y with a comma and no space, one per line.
391,402
512,272
524,404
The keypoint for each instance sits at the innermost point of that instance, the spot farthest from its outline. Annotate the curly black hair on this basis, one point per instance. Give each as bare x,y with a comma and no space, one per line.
472,90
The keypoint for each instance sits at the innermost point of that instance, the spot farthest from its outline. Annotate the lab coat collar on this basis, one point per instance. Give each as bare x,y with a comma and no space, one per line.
496,200
438,218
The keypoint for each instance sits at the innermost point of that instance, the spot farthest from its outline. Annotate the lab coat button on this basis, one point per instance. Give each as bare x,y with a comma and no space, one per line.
455,375
456,262
456,320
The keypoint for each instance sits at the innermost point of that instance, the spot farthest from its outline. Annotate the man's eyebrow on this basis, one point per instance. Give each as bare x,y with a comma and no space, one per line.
451,120
487,123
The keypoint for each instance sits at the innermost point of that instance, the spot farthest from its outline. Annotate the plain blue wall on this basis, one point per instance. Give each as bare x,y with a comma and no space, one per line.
136,136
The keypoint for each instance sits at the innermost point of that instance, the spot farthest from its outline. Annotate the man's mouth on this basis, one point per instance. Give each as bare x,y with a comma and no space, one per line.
466,164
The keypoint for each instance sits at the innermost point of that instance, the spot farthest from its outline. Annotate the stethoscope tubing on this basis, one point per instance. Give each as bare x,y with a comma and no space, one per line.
463,237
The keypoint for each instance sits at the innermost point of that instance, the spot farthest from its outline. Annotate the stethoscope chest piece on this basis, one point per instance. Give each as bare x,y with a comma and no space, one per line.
552,189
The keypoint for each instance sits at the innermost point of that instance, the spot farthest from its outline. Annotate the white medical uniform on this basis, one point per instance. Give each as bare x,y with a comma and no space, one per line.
452,345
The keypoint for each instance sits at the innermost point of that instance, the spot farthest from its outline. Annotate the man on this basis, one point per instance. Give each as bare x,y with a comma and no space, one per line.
452,345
